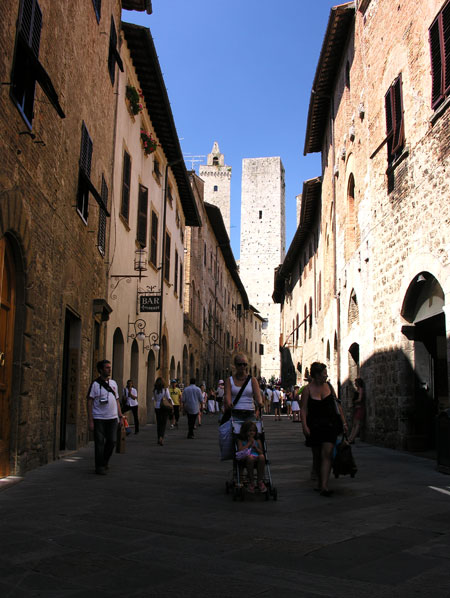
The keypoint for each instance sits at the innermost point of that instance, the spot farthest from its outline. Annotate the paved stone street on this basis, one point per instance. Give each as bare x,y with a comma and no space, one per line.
160,525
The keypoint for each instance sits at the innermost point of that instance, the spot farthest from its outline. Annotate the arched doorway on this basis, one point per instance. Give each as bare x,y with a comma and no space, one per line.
151,376
191,366
164,360
134,363
185,365
178,371
172,369
423,309
7,322
117,357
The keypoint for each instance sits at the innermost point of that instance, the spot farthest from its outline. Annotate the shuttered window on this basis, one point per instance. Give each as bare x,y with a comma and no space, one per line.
175,275
141,233
98,9
154,239
113,55
101,237
395,129
84,173
439,35
181,284
126,178
27,70
167,257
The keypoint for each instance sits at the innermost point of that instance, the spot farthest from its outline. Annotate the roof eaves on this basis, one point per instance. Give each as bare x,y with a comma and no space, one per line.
311,194
138,5
148,70
340,20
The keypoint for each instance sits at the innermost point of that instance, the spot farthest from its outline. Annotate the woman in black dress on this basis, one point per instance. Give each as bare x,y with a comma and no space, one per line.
322,420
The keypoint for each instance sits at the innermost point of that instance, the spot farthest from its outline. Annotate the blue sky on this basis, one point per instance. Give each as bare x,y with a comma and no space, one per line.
240,73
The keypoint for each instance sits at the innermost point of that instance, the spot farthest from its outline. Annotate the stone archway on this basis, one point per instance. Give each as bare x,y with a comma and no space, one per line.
134,363
151,377
185,365
118,357
423,309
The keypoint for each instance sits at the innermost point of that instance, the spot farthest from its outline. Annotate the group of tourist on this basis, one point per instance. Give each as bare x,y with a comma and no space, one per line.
315,405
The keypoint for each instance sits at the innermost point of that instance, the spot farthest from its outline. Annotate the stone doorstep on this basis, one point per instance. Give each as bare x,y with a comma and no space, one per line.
9,481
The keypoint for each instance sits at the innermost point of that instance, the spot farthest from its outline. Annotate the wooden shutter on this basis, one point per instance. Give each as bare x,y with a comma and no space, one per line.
167,258
154,239
175,276
126,177
181,283
101,237
141,235
86,151
439,36
30,24
395,130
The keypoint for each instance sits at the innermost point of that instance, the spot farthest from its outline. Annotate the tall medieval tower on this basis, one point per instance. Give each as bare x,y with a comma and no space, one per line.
263,241
217,177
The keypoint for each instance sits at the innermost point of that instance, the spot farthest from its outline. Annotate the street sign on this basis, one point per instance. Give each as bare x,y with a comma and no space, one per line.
150,303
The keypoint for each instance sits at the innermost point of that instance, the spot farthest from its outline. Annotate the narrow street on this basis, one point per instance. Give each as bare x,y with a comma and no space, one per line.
160,525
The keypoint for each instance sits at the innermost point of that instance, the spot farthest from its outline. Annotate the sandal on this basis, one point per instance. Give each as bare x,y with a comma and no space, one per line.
262,487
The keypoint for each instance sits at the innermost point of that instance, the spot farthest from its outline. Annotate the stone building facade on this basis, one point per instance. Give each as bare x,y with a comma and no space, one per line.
218,320
263,239
152,204
379,116
217,182
57,110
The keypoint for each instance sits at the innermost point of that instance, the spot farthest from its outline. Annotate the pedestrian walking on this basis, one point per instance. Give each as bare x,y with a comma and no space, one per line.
212,403
358,409
276,402
295,405
175,395
130,403
191,400
322,420
160,397
220,393
104,413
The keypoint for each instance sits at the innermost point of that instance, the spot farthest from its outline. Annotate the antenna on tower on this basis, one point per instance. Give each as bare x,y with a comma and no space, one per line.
193,159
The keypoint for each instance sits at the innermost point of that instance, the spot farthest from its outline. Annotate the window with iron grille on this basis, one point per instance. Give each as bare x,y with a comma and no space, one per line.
154,239
126,178
395,129
167,257
27,70
98,8
141,229
439,36
175,276
84,174
113,54
101,236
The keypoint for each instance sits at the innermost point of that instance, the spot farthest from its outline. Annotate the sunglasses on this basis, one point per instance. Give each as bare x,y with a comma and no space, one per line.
239,363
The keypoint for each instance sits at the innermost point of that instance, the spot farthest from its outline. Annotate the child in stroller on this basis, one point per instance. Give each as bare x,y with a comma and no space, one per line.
249,453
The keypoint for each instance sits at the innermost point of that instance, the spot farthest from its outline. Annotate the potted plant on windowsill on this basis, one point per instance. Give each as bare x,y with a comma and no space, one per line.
134,102
148,142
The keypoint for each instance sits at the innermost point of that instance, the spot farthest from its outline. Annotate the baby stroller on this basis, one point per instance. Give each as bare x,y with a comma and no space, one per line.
239,483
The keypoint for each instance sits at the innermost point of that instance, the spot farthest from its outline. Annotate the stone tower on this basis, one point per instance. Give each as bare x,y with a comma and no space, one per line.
263,240
217,177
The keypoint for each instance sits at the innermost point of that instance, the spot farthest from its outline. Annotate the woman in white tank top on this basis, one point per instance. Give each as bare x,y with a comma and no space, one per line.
250,396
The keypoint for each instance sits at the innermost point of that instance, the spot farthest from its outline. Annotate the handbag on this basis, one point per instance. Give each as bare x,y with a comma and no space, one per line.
241,455
165,404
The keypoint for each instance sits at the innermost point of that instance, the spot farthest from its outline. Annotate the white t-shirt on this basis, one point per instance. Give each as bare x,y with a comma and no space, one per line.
157,396
130,396
275,396
104,405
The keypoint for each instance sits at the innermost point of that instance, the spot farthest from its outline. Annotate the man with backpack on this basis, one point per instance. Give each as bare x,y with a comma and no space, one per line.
104,413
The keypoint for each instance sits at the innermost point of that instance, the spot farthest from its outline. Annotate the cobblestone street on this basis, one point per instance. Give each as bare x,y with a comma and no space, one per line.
160,525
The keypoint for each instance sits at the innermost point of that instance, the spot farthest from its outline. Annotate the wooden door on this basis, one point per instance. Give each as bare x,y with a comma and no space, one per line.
7,313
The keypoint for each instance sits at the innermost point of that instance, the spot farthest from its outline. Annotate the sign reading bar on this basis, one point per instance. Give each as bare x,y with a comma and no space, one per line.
150,303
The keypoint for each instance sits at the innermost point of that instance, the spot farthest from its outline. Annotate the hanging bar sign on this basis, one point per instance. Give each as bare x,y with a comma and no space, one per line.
150,303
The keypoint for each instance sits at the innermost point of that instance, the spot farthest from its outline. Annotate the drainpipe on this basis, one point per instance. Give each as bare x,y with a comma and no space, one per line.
163,251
